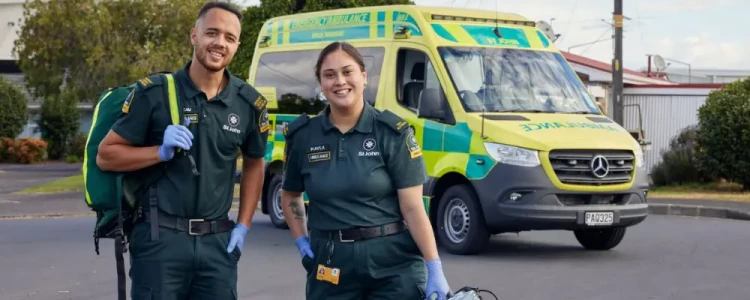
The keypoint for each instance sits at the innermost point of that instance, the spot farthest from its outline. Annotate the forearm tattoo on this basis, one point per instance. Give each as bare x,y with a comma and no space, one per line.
297,209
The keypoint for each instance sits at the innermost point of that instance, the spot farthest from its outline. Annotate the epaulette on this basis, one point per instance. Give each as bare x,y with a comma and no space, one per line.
149,81
253,97
393,121
296,124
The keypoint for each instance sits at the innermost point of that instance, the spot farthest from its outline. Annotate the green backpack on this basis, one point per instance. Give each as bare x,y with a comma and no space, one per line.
109,193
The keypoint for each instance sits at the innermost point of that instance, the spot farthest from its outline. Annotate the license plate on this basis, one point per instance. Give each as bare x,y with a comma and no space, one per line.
599,218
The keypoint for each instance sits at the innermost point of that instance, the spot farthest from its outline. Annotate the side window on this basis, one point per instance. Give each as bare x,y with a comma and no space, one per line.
293,75
415,75
373,58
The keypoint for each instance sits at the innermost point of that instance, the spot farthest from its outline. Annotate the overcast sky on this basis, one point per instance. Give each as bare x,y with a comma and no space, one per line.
703,33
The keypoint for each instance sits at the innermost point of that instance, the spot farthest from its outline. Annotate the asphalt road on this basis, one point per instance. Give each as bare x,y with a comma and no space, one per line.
666,257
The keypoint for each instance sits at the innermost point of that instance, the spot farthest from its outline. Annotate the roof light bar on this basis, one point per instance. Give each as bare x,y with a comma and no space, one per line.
493,21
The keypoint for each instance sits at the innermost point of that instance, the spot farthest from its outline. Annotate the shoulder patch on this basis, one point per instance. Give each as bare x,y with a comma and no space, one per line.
413,146
263,124
296,124
128,101
393,121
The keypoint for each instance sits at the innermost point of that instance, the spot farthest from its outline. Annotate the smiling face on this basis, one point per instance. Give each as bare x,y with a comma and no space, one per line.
215,39
342,79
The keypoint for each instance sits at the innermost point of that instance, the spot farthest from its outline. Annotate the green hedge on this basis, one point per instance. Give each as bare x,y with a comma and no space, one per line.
723,137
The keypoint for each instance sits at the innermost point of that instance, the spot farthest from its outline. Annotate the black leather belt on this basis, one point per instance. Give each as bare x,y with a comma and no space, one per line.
193,226
356,234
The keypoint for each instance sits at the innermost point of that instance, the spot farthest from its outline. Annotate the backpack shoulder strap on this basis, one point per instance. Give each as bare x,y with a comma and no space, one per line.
172,99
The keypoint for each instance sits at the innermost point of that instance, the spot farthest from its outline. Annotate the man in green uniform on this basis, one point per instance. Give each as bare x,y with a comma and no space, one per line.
351,180
184,242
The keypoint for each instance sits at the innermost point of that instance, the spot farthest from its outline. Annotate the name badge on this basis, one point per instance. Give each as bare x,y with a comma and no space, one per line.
318,153
192,117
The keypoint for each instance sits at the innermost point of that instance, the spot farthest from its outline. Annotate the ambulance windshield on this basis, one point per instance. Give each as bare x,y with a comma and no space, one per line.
500,80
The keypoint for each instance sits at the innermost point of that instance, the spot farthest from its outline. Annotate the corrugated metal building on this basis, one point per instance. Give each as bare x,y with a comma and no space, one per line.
658,107
664,112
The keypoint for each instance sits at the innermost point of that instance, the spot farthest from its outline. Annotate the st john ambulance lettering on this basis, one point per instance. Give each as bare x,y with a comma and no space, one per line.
230,129
369,146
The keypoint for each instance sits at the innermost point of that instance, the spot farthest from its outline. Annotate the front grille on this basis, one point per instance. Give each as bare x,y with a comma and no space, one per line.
575,166
592,199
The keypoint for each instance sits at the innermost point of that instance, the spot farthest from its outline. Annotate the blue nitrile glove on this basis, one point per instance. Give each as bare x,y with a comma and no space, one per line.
303,245
175,136
237,237
436,282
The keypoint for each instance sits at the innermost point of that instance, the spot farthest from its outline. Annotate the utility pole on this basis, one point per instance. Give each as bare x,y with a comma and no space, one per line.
617,76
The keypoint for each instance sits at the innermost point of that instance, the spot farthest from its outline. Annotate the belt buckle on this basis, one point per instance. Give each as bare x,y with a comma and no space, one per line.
341,238
190,226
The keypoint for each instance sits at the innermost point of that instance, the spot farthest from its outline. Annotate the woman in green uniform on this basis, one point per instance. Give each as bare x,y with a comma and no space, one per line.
362,170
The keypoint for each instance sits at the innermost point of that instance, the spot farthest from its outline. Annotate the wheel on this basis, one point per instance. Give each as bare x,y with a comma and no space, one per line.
600,239
273,203
460,222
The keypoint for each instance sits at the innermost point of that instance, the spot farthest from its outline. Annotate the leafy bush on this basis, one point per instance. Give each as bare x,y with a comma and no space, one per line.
27,150
724,133
678,163
13,109
59,123
76,149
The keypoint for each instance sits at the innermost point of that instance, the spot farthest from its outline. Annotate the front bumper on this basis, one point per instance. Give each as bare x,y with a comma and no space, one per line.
544,206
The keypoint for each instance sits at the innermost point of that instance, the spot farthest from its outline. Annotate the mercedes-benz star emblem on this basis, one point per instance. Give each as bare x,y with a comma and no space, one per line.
599,166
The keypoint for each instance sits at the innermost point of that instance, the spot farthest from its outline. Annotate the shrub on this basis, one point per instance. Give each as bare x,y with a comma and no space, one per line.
678,163
76,148
59,123
13,109
28,151
5,144
724,133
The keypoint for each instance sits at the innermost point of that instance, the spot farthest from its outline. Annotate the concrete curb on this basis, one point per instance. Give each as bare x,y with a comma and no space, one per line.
698,211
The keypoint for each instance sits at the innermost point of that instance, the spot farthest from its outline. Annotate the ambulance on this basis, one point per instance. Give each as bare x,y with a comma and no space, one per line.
511,138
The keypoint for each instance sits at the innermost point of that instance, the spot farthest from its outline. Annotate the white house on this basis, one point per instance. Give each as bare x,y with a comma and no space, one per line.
11,11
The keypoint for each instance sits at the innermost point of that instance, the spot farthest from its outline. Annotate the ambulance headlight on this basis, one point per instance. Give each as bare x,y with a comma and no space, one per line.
512,155
638,156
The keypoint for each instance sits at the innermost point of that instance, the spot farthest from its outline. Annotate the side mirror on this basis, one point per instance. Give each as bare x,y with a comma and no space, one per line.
430,105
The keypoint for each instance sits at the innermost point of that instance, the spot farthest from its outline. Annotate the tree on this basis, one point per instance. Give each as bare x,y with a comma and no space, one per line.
724,133
59,123
256,16
82,47
13,109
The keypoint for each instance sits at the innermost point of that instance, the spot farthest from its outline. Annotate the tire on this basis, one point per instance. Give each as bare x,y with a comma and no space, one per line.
273,203
600,239
460,222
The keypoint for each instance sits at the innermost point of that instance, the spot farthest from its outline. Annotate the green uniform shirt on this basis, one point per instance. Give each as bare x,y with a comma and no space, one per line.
235,119
351,178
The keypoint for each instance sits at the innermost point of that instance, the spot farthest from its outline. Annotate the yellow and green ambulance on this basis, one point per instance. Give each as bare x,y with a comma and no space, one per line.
511,138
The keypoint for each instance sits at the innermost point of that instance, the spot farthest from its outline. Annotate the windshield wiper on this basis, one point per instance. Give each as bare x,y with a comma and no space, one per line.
579,112
524,110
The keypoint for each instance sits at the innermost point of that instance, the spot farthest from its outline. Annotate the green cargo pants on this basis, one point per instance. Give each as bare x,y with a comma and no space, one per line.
382,268
181,266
